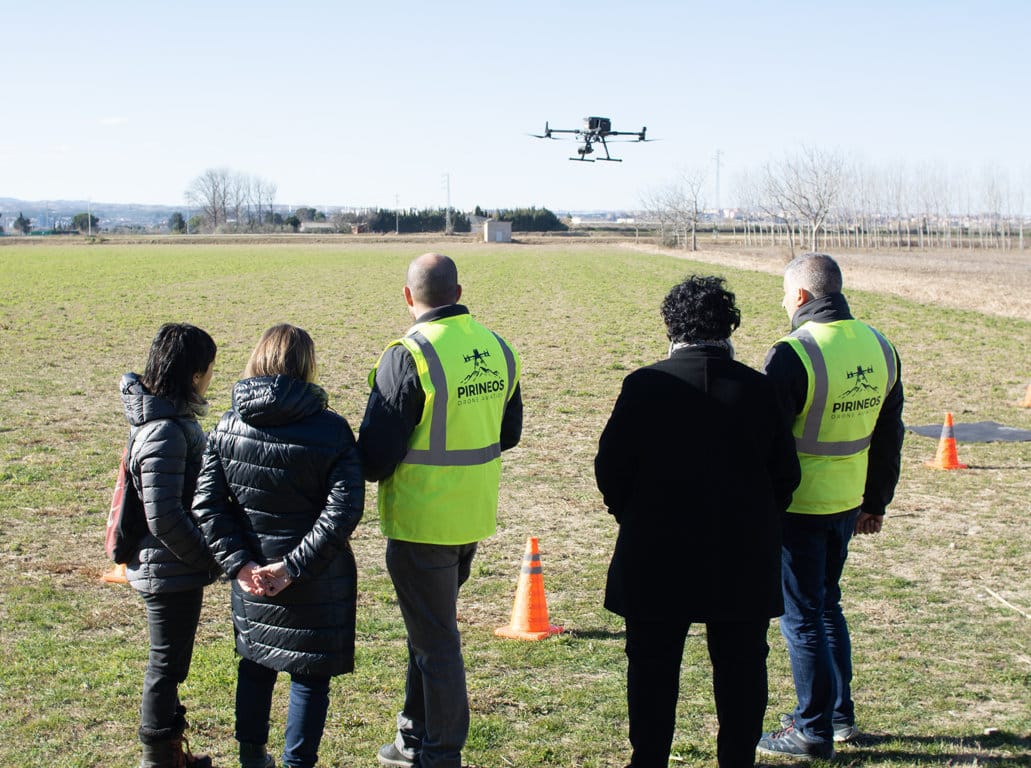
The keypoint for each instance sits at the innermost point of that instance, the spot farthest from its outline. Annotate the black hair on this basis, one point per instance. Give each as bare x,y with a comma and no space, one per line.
699,309
176,354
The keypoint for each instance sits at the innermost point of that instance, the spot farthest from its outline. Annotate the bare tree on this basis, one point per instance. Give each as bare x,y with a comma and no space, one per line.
264,196
654,202
692,182
229,197
210,193
806,187
815,195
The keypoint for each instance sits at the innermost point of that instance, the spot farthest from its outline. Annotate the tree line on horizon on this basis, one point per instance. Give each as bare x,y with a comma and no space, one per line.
810,198
813,198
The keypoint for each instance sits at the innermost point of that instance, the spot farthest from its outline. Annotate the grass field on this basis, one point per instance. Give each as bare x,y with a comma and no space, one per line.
938,603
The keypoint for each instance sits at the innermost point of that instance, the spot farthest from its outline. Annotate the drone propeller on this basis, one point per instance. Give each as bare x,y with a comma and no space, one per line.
545,135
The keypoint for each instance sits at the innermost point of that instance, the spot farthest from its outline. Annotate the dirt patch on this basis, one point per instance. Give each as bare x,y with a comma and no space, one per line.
992,282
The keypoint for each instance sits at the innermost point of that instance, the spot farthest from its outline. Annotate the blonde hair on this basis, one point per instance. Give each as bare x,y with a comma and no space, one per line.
284,350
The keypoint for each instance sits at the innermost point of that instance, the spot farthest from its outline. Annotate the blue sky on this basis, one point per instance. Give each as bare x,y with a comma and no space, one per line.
347,104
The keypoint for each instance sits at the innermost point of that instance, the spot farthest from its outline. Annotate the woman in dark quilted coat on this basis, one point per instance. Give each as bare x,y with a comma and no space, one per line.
280,492
171,565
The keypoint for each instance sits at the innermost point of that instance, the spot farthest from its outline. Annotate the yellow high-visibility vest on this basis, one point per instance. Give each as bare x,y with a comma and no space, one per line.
851,368
445,490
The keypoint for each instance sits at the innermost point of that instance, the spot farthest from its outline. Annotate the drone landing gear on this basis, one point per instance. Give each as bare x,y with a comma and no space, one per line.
608,157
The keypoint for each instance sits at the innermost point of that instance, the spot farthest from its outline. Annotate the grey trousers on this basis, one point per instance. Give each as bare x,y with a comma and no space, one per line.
433,725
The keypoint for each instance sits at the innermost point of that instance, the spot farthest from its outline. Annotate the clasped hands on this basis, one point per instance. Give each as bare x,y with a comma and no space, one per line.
263,580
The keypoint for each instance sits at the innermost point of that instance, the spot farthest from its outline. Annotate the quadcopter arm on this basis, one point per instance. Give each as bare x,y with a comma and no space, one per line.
639,134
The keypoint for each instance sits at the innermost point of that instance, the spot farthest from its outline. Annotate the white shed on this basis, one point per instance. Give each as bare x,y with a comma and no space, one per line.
497,231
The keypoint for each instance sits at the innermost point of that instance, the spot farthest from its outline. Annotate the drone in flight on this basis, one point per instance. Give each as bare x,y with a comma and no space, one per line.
596,130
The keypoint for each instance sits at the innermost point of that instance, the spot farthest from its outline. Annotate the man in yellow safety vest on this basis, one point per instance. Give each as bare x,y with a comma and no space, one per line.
839,384
445,403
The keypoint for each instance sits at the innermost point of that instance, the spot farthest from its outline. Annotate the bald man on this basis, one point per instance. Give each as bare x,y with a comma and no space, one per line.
445,403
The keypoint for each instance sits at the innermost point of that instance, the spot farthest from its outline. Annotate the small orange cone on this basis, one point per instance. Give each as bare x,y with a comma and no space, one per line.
116,575
946,457
530,610
1027,398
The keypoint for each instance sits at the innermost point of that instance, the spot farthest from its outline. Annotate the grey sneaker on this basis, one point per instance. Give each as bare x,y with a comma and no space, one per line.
390,756
843,732
790,742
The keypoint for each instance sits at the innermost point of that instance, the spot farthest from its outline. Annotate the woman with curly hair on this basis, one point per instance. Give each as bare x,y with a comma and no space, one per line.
697,466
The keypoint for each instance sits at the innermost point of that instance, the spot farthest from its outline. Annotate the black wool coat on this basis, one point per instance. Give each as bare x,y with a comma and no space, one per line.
698,467
282,481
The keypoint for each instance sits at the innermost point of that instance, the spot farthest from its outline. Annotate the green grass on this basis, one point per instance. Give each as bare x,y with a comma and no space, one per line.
938,659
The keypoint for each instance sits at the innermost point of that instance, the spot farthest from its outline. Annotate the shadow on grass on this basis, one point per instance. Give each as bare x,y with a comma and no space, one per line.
596,634
1000,749
999,466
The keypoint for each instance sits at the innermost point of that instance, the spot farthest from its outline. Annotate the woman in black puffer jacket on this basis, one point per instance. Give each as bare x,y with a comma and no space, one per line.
171,565
280,492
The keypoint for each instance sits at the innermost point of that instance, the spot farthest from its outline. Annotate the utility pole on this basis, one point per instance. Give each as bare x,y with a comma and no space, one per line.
397,215
719,153
89,218
719,211
447,211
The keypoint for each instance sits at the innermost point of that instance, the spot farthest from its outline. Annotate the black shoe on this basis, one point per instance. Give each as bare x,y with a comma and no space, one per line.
842,731
790,742
255,756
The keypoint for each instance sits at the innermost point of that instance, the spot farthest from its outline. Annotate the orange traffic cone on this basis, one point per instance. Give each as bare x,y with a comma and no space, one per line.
116,575
946,457
1027,398
530,610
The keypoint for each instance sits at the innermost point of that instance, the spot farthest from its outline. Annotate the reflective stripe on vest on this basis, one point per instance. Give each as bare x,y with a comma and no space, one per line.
445,489
438,455
808,441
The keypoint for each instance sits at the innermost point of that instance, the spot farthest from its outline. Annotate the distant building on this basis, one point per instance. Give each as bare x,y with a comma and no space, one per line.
318,227
497,231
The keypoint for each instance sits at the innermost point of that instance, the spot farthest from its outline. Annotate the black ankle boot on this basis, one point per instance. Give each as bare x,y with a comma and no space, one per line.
255,756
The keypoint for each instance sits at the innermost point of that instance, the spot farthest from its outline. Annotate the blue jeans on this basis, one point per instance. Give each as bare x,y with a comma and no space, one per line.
305,718
434,722
813,557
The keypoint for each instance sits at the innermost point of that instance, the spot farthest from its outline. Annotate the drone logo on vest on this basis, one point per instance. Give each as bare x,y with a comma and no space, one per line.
853,399
482,380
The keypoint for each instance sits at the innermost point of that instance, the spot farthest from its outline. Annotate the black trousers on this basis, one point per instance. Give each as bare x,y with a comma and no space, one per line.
172,619
738,653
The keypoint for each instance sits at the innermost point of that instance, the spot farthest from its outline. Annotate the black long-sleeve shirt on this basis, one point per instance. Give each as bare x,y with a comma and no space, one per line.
790,381
396,403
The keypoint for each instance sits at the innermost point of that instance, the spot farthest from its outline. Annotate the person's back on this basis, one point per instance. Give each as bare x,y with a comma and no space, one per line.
445,402
697,467
467,375
838,384
707,448
171,563
280,493
282,451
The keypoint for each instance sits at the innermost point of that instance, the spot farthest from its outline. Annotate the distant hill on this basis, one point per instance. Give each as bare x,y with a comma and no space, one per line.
50,212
